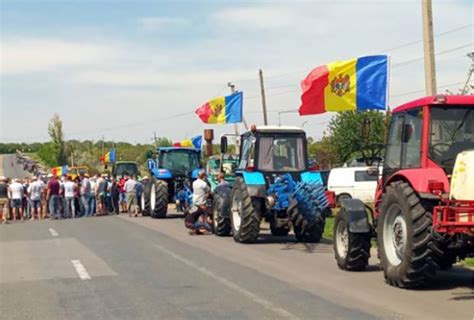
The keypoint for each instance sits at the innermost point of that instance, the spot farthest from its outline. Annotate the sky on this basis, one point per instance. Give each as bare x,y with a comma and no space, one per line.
123,70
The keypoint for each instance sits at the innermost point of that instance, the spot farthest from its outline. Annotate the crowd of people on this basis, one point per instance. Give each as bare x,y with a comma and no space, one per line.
63,197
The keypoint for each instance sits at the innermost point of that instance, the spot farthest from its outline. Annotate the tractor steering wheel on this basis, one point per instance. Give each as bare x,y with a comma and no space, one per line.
434,150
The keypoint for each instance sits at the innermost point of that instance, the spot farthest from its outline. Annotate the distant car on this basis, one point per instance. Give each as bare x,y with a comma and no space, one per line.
352,182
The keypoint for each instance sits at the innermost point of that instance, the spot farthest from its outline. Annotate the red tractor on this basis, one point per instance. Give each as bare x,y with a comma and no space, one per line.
423,215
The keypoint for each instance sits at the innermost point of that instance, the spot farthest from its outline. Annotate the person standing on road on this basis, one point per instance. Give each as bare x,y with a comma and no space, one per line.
196,220
115,193
93,199
86,195
4,199
131,191
123,194
101,190
16,199
53,195
69,196
35,194
26,201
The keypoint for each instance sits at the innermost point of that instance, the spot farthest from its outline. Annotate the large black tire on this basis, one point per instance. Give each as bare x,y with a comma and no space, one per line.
222,224
306,231
402,213
245,219
145,200
159,208
351,250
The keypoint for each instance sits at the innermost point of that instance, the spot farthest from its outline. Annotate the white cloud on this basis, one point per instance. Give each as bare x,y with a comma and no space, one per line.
26,55
160,23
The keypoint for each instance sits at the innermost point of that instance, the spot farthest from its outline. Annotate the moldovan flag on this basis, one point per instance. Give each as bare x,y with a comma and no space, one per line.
59,171
109,157
195,142
222,110
353,85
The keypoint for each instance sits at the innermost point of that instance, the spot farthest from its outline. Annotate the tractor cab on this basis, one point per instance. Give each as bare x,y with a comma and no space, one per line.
125,168
273,150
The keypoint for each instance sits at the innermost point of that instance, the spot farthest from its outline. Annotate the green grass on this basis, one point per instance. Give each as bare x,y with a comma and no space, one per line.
329,227
469,262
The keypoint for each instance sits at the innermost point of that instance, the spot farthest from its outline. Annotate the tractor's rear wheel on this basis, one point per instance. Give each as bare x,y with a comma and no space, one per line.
158,199
407,248
245,219
351,250
222,224
145,200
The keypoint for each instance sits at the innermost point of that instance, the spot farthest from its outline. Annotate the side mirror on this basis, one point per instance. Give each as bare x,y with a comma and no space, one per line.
407,132
366,128
223,144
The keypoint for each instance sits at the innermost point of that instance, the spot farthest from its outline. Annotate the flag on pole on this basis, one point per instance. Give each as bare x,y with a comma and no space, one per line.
222,110
352,85
195,142
109,157
59,171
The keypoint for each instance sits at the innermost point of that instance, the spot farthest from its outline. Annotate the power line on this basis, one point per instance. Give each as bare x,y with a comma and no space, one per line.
410,61
422,90
420,41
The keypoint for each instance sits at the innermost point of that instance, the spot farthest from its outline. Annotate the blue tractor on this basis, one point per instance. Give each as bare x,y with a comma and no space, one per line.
172,171
274,183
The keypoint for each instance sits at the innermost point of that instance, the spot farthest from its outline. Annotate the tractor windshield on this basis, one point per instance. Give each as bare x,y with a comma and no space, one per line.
452,131
122,169
282,153
180,161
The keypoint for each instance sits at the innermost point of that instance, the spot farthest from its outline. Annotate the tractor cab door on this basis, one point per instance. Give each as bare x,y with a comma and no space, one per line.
403,149
247,153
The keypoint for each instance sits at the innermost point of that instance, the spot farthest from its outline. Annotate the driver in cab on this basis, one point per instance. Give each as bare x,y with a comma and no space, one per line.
196,220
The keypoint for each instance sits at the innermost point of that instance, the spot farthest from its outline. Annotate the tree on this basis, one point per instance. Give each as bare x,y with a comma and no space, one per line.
345,131
55,130
325,152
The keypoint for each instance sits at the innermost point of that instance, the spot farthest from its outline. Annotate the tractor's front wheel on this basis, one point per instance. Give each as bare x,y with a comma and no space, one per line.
351,250
222,224
245,219
158,199
407,249
145,200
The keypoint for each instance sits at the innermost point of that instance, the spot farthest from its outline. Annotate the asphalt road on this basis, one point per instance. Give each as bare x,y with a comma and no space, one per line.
118,267
10,169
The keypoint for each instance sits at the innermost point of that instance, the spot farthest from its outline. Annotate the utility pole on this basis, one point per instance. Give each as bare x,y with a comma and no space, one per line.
428,45
155,139
469,75
264,101
103,144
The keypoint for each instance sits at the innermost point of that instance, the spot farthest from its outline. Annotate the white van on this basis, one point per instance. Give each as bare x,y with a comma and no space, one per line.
352,182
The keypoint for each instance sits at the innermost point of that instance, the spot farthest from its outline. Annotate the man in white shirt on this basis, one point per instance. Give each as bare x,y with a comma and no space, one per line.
35,192
15,193
69,196
196,220
130,189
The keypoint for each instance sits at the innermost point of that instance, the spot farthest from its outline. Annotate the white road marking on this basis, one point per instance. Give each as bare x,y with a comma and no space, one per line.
231,285
53,232
81,271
